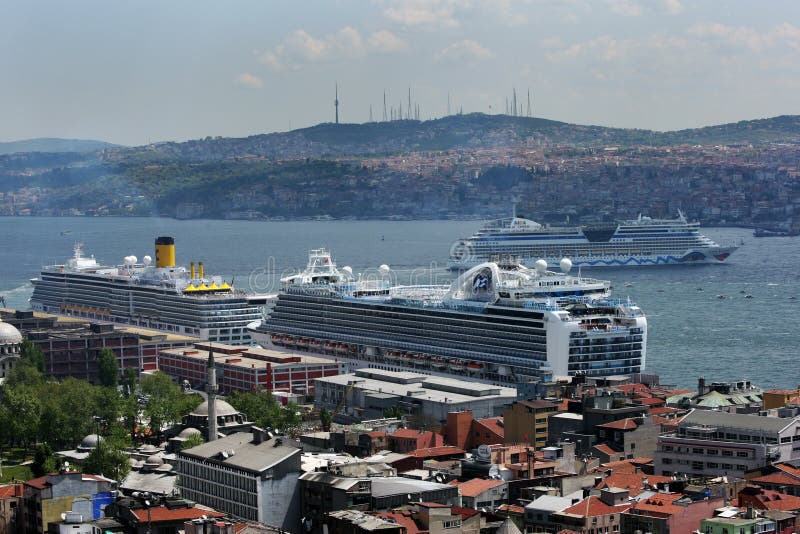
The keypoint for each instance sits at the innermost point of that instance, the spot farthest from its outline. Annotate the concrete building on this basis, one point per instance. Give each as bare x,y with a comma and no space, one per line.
248,368
250,476
738,525
596,513
740,396
71,346
778,398
10,499
44,499
526,421
363,487
628,438
710,443
668,513
466,432
368,392
480,493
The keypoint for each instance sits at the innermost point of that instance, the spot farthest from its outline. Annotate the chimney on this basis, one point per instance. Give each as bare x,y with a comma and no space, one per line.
701,386
259,435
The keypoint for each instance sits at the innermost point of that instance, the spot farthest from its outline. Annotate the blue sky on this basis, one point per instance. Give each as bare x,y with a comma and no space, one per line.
133,72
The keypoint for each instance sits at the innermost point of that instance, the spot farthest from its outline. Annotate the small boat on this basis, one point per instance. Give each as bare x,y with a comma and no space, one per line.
628,284
748,296
700,289
721,297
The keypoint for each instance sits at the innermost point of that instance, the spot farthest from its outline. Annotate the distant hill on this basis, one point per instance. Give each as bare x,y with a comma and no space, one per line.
52,144
476,130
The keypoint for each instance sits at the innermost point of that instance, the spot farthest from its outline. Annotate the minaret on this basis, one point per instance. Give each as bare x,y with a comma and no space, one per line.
336,103
211,390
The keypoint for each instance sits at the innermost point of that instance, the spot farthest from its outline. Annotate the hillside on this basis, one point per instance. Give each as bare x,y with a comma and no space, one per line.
49,144
475,130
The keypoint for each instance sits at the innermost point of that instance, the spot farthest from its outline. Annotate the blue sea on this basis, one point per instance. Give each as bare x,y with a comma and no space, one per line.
691,331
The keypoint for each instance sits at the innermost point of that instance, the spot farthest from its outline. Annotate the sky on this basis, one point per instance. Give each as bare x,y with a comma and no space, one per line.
146,71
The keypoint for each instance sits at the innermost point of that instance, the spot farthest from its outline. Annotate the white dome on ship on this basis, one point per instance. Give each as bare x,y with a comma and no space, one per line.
541,266
9,335
566,265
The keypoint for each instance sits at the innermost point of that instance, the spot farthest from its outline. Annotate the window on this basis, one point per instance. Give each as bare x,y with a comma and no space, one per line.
712,452
727,453
697,466
667,461
727,466
742,454
712,465
454,523
697,451
741,467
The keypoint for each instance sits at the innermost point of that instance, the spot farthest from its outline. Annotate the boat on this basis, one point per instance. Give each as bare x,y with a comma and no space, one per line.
499,322
774,232
642,241
160,296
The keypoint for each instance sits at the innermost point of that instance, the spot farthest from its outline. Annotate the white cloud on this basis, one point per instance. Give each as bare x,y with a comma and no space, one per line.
627,8
248,80
748,38
386,41
430,14
673,7
300,48
466,50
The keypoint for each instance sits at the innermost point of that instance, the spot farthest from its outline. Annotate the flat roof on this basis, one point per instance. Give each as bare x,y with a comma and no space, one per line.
238,356
430,390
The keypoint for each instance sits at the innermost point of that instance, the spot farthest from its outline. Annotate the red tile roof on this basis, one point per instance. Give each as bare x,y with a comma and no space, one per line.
781,391
632,482
789,469
629,389
476,486
492,424
511,508
622,424
651,401
592,506
436,451
764,499
661,410
626,466
779,477
402,518
606,449
377,434
12,490
163,514
660,504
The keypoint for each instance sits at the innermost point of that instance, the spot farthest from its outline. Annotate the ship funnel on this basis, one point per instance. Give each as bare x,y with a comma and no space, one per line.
191,271
165,252
202,273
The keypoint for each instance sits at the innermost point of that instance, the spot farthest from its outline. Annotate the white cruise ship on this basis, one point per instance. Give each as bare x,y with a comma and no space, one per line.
161,296
643,241
499,322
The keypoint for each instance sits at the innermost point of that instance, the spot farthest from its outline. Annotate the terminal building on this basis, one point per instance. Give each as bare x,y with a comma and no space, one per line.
368,392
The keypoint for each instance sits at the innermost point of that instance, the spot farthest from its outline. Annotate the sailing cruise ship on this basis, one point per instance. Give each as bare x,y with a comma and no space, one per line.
161,296
642,241
498,322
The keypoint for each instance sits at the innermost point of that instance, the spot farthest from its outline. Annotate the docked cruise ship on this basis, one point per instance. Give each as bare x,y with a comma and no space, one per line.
498,322
161,296
642,241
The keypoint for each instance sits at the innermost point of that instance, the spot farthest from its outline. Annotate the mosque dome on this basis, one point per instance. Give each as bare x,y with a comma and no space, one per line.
9,335
89,442
223,409
188,432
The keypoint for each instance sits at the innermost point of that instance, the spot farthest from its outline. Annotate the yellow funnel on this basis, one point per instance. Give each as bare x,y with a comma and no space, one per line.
165,252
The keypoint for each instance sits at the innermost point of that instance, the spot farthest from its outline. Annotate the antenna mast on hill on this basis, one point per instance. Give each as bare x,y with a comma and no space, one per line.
529,103
385,115
336,102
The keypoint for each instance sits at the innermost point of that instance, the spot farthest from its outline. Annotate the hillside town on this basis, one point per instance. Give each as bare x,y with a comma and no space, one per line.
377,450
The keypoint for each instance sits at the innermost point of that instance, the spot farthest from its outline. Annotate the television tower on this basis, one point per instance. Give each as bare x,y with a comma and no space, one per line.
336,103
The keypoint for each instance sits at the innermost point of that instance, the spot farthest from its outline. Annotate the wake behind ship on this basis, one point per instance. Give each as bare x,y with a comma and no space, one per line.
499,322
643,241
161,296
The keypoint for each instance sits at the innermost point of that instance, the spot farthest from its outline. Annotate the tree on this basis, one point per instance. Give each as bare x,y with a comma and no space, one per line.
193,441
166,402
108,459
43,461
393,412
108,368
263,409
325,418
32,354
130,378
20,413
30,367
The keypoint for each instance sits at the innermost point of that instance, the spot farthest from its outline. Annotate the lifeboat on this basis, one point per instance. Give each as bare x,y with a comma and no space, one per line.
475,366
392,355
315,344
342,347
278,340
302,342
456,365
439,363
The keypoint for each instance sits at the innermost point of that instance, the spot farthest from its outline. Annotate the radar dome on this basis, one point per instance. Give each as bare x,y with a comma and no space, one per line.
134,259
147,260
384,269
348,271
541,266
127,260
566,265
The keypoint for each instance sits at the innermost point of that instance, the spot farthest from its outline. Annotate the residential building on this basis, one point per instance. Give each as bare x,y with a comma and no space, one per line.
629,438
783,477
763,499
409,440
668,513
466,432
165,517
778,398
596,513
526,421
738,525
10,499
710,443
44,499
250,476
482,494
539,513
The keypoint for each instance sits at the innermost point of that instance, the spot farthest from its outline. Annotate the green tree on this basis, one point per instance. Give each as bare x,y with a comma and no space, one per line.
167,403
33,355
130,379
262,408
108,459
393,412
193,441
43,461
108,368
20,413
325,418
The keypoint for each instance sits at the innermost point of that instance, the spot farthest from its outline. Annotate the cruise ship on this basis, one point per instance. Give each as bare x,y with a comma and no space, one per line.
498,322
161,296
642,241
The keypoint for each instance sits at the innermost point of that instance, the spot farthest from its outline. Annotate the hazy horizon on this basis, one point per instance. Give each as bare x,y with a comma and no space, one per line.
148,72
